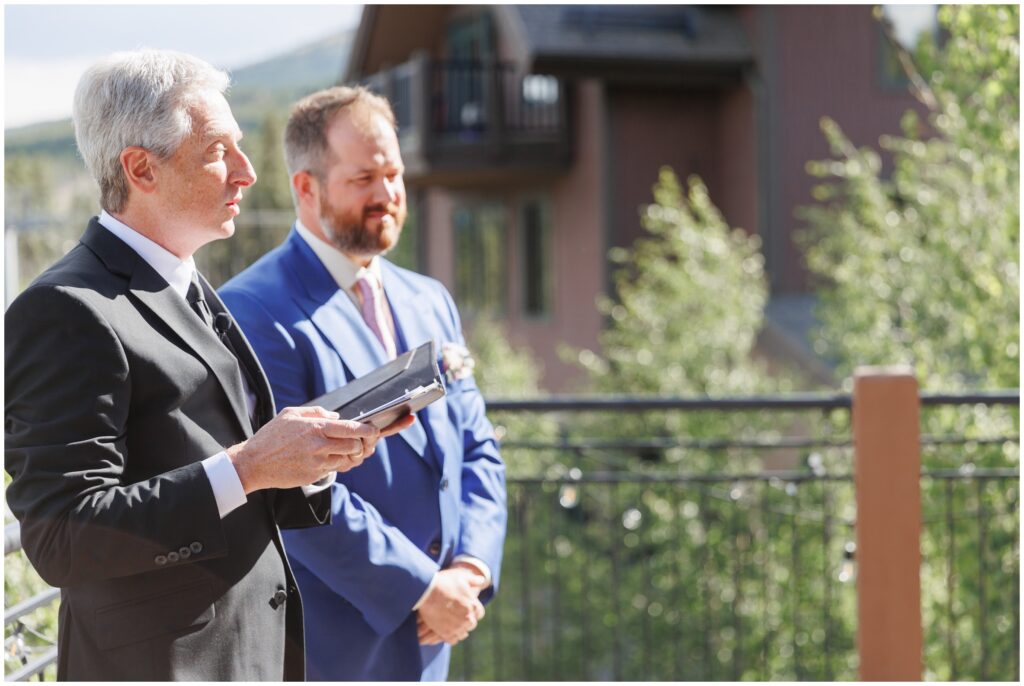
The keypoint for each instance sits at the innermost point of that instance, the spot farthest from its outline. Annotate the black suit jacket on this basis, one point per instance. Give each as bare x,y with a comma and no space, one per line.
115,391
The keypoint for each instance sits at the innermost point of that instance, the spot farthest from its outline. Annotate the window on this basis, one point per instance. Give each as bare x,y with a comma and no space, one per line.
535,259
481,274
908,25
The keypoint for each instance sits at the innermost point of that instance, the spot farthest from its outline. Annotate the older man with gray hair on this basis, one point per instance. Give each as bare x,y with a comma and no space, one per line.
149,471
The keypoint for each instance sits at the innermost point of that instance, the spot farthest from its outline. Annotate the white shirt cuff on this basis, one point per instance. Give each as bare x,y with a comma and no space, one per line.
320,485
430,587
227,487
478,563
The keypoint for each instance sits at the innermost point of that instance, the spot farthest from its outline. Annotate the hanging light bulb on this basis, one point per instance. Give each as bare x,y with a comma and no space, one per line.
848,568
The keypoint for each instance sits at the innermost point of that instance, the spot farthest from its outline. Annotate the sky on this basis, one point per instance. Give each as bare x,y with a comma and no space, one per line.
47,47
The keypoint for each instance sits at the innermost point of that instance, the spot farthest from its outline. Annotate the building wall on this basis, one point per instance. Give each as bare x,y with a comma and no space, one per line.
576,243
650,129
736,188
578,221
709,133
827,65
750,144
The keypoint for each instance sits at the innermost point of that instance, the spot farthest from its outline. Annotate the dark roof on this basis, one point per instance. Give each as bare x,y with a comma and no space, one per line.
670,35
654,42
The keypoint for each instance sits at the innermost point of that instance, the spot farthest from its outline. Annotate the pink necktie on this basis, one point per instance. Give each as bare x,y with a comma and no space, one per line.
373,314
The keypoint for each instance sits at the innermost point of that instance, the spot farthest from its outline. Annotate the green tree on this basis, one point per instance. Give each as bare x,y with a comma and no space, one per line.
272,191
921,267
28,188
689,302
639,557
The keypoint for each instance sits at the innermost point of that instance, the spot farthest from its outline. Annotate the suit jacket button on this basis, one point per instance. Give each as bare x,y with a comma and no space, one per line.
279,598
160,560
173,556
196,547
444,484
434,549
184,552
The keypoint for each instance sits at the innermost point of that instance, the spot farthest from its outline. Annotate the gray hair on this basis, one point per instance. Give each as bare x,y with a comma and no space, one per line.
139,98
305,135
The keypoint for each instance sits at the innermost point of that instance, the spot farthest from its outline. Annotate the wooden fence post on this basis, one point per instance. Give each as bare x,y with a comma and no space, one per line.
887,472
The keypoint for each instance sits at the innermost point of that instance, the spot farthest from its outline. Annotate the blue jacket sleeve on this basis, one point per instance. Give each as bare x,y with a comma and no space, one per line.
360,556
484,511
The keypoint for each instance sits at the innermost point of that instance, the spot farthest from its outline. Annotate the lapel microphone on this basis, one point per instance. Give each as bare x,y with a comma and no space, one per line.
222,323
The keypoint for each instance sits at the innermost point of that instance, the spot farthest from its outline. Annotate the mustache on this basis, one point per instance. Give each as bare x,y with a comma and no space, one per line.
389,208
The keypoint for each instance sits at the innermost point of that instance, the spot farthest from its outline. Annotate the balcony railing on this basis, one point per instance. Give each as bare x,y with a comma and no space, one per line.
463,116
725,549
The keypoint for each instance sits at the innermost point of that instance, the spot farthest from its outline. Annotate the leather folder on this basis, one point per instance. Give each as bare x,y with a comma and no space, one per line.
406,384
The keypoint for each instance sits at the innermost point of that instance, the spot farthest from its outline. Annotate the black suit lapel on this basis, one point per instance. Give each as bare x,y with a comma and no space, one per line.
246,357
155,293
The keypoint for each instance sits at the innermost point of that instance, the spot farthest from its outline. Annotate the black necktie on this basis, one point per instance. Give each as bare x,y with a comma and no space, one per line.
197,301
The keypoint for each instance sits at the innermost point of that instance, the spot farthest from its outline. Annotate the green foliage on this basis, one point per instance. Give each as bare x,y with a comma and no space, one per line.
690,301
505,371
38,629
272,190
652,562
920,267
28,188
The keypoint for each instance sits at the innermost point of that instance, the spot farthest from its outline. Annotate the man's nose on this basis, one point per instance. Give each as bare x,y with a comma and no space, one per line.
243,175
386,191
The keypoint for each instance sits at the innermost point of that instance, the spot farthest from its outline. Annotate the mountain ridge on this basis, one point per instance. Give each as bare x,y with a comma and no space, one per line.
258,90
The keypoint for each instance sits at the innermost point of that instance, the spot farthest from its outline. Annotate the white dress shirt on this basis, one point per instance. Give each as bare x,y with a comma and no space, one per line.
227,487
345,273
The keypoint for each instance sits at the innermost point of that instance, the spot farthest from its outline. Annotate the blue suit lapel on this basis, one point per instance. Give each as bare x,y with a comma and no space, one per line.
414,318
336,317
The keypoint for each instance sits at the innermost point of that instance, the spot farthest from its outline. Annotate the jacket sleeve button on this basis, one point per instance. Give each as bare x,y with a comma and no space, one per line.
184,552
173,556
160,559
196,547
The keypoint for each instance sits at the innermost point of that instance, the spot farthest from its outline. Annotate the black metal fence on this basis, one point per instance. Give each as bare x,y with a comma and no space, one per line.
625,563
713,540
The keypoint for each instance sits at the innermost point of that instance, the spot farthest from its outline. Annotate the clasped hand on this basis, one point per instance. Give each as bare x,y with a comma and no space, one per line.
452,608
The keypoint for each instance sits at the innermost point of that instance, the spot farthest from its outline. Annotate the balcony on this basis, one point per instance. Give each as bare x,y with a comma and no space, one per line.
466,122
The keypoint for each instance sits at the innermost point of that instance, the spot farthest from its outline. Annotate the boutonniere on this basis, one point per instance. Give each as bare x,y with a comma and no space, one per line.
456,362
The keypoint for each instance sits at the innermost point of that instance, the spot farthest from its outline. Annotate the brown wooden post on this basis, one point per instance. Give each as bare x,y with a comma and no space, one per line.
887,468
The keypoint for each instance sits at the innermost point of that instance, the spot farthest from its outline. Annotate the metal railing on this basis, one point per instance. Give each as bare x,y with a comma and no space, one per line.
624,561
28,651
471,100
721,548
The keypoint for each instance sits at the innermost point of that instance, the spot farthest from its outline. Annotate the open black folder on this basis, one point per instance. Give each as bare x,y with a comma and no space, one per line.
407,384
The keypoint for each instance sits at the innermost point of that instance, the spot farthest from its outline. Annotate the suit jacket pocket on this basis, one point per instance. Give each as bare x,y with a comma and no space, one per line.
167,612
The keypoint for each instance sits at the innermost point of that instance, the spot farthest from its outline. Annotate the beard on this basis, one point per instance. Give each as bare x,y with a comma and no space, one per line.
356,234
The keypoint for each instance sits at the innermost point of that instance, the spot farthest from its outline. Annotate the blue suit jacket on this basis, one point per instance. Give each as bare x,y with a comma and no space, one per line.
434,491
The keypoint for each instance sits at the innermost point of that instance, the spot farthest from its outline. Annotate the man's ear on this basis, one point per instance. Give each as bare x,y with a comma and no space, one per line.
137,164
306,187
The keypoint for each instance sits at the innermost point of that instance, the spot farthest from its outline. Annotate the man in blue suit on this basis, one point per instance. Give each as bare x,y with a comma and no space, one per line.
414,550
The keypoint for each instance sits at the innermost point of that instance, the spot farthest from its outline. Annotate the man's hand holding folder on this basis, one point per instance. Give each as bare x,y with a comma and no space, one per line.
390,393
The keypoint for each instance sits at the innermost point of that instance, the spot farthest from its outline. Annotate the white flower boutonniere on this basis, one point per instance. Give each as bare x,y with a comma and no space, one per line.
456,362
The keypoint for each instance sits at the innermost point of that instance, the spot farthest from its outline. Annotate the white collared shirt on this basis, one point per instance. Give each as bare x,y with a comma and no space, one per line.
175,271
227,487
